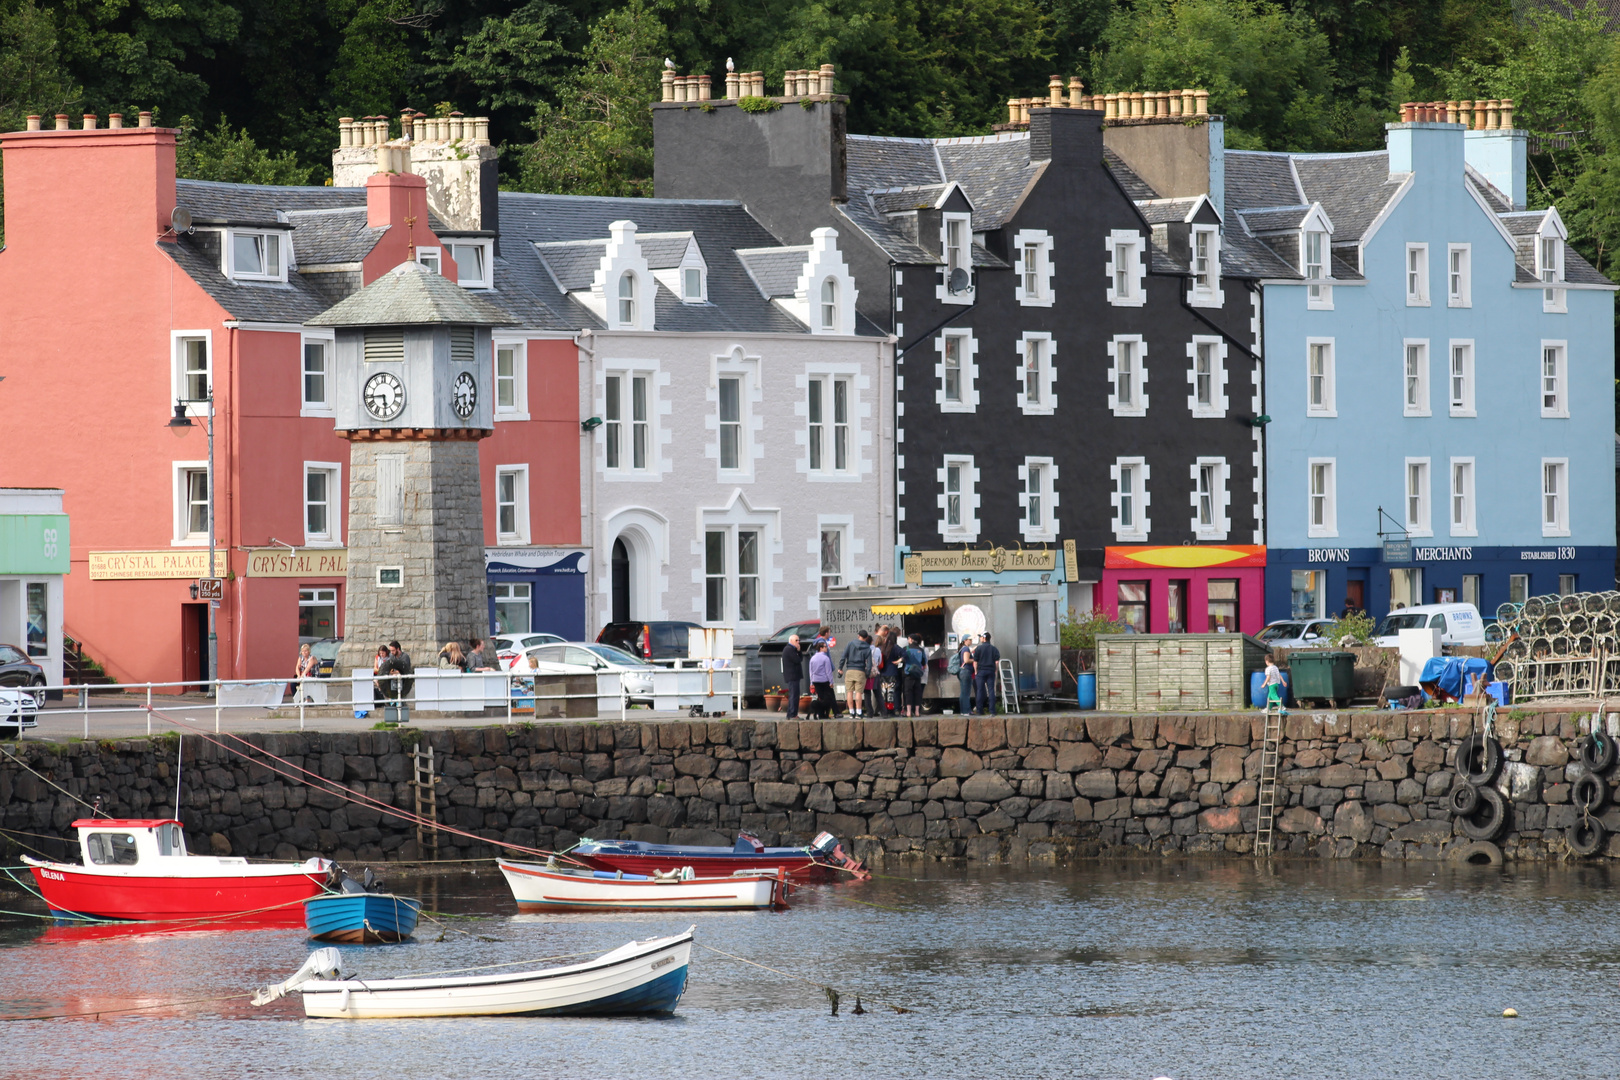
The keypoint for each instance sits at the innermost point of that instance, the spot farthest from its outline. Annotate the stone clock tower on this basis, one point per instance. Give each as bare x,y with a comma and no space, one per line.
411,379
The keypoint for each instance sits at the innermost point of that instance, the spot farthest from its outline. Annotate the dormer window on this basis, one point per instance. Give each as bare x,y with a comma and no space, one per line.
829,304
627,300
956,240
472,259
1206,266
1316,268
429,257
255,256
1550,268
692,284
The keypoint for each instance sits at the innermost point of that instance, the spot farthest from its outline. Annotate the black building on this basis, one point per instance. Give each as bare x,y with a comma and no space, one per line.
1078,354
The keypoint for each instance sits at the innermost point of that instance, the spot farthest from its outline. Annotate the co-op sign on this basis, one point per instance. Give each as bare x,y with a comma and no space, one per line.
1443,554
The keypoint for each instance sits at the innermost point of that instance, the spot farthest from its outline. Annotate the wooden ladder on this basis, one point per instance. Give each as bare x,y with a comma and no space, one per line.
427,802
1264,845
1007,681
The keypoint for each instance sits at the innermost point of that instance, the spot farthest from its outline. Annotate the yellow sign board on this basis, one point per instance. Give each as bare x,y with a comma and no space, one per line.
1071,562
912,565
300,562
148,565
992,561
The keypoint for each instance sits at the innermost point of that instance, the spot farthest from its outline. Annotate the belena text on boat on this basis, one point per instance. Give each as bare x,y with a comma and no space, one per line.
553,887
639,977
822,857
138,868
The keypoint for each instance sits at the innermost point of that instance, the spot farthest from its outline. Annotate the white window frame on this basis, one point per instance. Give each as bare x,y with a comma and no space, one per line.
283,239
1329,405
1046,531
1138,354
963,259
1318,297
328,344
827,385
1418,496
177,367
1459,278
1415,383
432,258
333,537
1217,405
1041,241
1560,379
1137,472
1132,247
827,310
483,281
1462,497
180,488
519,504
1557,522
1046,374
1328,497
967,530
1460,404
731,573
1415,275
1220,523
842,529
519,409
969,372
744,449
1208,292
684,272
1553,301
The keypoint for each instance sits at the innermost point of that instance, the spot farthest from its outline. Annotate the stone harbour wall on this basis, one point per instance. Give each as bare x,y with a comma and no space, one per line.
1351,785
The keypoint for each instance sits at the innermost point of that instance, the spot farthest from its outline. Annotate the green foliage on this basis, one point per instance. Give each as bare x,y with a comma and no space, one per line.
32,79
512,61
1358,626
231,155
758,104
1080,631
598,140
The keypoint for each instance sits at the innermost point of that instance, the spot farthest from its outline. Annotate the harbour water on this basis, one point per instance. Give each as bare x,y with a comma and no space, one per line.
1130,969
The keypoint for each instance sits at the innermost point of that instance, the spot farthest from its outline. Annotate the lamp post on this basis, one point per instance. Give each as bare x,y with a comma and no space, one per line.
182,420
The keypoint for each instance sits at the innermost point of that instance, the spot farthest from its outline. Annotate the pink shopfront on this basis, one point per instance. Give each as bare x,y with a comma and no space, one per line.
1190,588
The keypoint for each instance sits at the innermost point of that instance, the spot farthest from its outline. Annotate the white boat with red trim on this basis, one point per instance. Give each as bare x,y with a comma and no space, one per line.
139,868
553,887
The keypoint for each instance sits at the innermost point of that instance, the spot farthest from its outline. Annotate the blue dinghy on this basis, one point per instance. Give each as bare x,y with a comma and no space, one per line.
361,917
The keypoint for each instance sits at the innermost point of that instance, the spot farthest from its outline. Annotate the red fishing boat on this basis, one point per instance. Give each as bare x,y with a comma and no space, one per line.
138,868
822,857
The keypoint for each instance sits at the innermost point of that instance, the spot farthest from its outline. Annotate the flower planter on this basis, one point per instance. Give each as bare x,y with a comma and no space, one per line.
774,702
805,702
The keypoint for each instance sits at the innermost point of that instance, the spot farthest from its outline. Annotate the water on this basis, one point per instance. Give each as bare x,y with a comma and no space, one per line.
1104,970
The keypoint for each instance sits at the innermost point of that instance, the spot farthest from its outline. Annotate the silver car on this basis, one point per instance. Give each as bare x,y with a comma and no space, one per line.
1298,633
589,658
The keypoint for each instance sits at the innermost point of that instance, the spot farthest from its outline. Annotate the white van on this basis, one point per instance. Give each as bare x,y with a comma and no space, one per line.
1459,624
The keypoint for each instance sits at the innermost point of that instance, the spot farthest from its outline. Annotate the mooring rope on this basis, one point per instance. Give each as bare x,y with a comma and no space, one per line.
97,1013
800,978
48,780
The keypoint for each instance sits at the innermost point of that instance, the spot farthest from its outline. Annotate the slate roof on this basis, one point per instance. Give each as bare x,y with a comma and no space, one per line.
1268,221
198,254
1523,225
775,270
1256,178
887,232
412,294
1134,186
1353,188
664,251
325,237
994,171
888,175
573,263
212,201
895,200
1166,211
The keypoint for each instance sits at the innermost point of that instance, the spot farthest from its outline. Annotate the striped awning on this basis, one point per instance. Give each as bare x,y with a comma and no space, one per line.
936,604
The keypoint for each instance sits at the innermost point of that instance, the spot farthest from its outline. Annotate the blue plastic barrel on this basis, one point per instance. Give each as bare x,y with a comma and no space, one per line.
1085,688
1257,696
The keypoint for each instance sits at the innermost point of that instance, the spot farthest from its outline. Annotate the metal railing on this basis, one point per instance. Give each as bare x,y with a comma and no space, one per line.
431,690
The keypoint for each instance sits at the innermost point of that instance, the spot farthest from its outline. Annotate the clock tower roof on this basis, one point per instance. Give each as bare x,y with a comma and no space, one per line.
412,294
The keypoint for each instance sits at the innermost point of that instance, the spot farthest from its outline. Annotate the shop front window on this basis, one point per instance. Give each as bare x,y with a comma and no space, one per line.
38,625
1471,589
1175,605
1566,584
1518,588
317,614
1405,587
1223,606
513,607
1308,589
1133,601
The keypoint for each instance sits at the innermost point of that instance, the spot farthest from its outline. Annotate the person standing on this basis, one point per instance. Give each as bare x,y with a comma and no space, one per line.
307,667
856,664
1274,687
894,667
792,675
961,666
916,672
985,660
821,676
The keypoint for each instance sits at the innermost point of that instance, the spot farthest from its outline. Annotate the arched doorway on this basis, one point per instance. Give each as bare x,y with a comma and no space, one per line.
621,581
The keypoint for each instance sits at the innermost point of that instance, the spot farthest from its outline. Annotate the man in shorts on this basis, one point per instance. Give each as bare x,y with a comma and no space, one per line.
856,666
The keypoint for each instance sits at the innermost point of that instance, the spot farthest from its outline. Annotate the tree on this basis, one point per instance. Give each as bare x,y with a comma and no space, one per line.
232,156
31,77
598,140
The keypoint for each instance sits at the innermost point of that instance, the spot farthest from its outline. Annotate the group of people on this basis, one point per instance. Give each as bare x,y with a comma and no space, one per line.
475,657
974,666
882,672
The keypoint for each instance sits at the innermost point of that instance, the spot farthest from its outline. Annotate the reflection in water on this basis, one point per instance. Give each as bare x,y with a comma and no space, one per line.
1127,969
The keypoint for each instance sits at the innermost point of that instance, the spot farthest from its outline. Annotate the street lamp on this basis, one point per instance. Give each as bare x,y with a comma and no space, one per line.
178,423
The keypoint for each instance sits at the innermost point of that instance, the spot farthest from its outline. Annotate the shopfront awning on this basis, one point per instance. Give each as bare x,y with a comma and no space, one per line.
921,606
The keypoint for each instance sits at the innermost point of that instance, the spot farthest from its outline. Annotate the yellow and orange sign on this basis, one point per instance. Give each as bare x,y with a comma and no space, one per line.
151,565
1184,556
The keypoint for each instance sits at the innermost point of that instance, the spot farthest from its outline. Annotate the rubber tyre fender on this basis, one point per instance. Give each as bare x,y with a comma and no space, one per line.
1598,751
1590,793
1479,853
1464,799
1489,820
1586,837
1479,760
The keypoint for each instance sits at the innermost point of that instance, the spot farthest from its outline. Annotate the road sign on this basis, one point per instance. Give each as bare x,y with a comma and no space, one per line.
210,588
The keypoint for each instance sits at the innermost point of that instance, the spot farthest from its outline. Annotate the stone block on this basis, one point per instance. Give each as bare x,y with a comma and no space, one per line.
1391,815
1109,809
698,765
1221,819
1143,728
986,786
1078,757
1395,768
775,795
1409,792
1040,757
1185,809
1243,793
958,762
836,766
1226,764
995,820
1232,731
948,788
1547,751
1177,783
1178,731
1379,791
1428,756
1339,776
953,730
841,735
1108,730
1554,794
1426,831
1191,759
1097,784
1438,784
1052,810
1297,819
1562,817
1058,786
986,733
1352,820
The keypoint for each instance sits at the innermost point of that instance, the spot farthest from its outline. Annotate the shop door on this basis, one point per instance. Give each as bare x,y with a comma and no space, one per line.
193,642
1355,594
621,582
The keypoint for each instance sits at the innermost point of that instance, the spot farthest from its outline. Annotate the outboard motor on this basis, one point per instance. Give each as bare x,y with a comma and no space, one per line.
826,849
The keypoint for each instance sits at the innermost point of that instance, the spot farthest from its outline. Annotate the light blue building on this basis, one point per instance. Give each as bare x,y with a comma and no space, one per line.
1439,370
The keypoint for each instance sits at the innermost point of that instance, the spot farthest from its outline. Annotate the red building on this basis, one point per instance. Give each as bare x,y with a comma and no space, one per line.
117,309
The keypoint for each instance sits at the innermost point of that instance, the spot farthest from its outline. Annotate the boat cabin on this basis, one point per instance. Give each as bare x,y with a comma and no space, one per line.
128,841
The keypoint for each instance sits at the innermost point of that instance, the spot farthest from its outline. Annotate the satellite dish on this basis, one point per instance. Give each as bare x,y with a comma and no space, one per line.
180,220
958,282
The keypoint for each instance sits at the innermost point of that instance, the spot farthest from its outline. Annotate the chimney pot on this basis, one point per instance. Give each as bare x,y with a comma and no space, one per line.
345,131
1507,114
1202,97
1408,111
61,121
33,122
144,119
1453,112
1492,114
1150,103
809,82
115,120
89,121
827,73
1012,110
481,136
1110,106
1135,99
1077,96
1054,91
705,88
668,85
1175,102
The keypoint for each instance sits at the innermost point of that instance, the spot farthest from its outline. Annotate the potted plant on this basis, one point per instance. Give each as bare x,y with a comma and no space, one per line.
774,698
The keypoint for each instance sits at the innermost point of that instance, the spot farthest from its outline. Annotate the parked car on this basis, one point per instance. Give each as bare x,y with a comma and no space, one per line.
648,640
508,647
18,710
591,658
17,671
1459,624
762,662
326,651
1298,633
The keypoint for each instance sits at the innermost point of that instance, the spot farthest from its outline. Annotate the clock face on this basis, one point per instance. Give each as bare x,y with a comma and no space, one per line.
464,395
384,395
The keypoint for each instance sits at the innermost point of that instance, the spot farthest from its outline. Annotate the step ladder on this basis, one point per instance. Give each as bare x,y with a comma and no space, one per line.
1264,845
427,801
1007,685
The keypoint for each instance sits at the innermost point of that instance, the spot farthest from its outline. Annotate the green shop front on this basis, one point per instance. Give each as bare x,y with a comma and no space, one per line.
33,561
